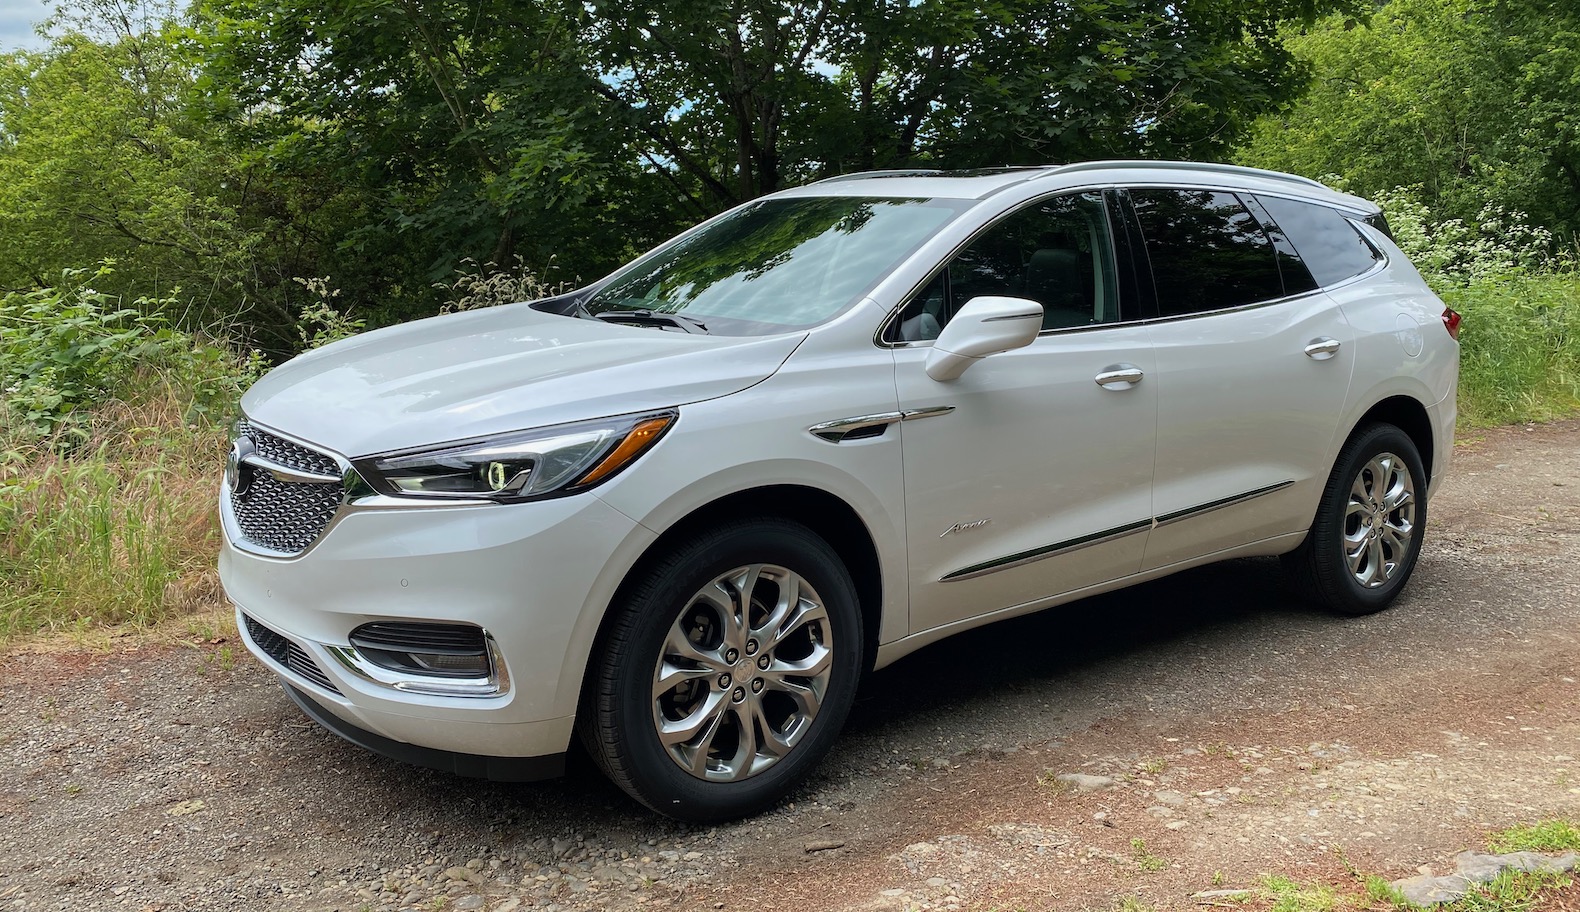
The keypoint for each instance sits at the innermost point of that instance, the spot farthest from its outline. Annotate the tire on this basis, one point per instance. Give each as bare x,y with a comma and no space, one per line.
747,709
1367,533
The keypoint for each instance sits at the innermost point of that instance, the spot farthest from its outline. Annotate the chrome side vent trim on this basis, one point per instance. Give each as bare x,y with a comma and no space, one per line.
862,427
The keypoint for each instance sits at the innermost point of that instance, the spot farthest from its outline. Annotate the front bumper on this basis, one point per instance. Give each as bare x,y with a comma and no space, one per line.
498,769
535,576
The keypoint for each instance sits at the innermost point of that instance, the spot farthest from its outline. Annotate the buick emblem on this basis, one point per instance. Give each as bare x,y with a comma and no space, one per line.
238,475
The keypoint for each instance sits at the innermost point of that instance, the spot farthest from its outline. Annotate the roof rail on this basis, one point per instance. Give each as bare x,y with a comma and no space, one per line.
863,175
1197,166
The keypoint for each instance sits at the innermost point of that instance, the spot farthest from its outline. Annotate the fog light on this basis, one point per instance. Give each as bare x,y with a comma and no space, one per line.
420,657
472,666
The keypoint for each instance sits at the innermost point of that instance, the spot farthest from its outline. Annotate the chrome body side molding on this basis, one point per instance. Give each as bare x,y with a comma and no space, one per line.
1199,509
1037,554
1096,538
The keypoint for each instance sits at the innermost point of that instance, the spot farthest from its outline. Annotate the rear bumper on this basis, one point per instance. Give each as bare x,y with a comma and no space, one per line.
498,769
1442,416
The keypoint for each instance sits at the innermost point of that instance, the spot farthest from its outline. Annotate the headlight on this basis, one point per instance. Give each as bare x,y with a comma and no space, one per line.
519,466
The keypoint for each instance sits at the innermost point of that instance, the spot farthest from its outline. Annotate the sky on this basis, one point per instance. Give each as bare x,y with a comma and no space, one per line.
16,23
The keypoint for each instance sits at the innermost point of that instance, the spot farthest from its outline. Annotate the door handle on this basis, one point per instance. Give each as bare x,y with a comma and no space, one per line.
1119,377
1323,348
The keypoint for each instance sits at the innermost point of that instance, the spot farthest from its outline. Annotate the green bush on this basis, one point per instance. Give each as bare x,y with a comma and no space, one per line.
69,349
111,440
1520,347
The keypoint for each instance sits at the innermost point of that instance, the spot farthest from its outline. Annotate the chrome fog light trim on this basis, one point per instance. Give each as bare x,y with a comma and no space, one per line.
495,683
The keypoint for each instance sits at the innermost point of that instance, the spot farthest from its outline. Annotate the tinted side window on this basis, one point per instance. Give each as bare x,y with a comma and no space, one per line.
1330,246
1207,251
1297,278
1058,252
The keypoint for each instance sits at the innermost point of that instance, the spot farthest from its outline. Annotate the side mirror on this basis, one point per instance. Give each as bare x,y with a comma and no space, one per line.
985,326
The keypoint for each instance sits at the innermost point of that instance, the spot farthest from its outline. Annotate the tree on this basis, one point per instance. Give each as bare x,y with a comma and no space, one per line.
463,131
1476,102
492,127
735,98
103,157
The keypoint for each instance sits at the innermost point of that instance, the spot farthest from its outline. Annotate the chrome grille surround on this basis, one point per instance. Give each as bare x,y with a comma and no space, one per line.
278,517
288,453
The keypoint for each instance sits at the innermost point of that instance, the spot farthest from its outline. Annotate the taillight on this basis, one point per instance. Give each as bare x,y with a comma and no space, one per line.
1451,320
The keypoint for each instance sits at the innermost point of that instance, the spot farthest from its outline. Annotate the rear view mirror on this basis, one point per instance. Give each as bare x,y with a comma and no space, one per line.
985,326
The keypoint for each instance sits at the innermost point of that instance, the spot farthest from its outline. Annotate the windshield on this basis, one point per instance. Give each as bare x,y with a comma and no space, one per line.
775,265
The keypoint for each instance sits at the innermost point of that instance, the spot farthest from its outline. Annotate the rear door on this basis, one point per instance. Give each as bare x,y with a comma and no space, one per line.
1254,364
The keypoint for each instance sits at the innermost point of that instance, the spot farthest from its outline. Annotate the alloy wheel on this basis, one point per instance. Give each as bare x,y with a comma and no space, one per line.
742,673
1379,520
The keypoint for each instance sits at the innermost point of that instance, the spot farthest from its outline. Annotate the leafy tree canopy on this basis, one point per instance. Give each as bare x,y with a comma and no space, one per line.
1476,102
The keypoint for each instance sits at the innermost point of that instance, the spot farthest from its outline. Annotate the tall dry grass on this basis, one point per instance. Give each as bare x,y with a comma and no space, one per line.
121,528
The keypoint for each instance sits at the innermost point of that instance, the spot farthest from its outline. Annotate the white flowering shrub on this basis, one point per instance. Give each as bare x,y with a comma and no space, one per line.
1452,252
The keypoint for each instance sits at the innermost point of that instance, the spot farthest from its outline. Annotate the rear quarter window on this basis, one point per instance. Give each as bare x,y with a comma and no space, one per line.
1206,249
1325,240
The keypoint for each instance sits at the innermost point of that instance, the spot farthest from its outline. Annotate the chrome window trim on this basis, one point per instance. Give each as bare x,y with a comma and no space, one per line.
1349,214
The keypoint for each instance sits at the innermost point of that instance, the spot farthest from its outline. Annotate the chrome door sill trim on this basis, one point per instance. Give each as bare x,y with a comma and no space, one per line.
1230,501
1037,554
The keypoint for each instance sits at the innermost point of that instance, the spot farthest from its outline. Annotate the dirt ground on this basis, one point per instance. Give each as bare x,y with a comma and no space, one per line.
1228,732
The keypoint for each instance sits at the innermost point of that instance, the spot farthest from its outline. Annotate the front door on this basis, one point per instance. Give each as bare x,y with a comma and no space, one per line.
1025,478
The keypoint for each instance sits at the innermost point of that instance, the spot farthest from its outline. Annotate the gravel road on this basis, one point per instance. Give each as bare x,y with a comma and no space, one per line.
1209,728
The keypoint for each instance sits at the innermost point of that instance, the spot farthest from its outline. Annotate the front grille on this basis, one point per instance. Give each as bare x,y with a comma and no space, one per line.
419,637
288,654
278,449
285,516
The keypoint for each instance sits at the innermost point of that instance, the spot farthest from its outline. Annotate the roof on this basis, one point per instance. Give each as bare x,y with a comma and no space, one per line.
984,182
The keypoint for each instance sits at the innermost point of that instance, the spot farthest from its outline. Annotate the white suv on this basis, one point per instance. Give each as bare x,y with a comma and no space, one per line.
681,511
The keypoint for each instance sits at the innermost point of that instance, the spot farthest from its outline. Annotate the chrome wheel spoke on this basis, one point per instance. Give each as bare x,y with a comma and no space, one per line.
805,612
679,646
1376,569
740,766
773,744
701,725
1397,540
808,699
814,665
789,601
723,597
671,676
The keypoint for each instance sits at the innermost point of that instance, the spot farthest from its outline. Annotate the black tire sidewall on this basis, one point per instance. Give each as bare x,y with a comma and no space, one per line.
1338,586
653,776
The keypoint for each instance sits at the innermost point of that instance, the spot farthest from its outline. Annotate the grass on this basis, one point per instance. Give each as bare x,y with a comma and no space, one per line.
1145,860
1547,836
118,530
1288,895
1520,348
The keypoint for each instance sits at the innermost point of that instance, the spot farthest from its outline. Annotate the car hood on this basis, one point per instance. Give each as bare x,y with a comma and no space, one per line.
500,369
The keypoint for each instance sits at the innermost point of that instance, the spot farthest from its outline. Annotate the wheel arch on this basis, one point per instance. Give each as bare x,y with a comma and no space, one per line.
826,514
1407,414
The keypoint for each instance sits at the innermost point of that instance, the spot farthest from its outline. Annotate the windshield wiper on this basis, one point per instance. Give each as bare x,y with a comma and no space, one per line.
653,318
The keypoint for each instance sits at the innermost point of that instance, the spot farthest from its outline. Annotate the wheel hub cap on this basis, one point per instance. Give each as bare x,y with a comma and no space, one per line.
742,673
